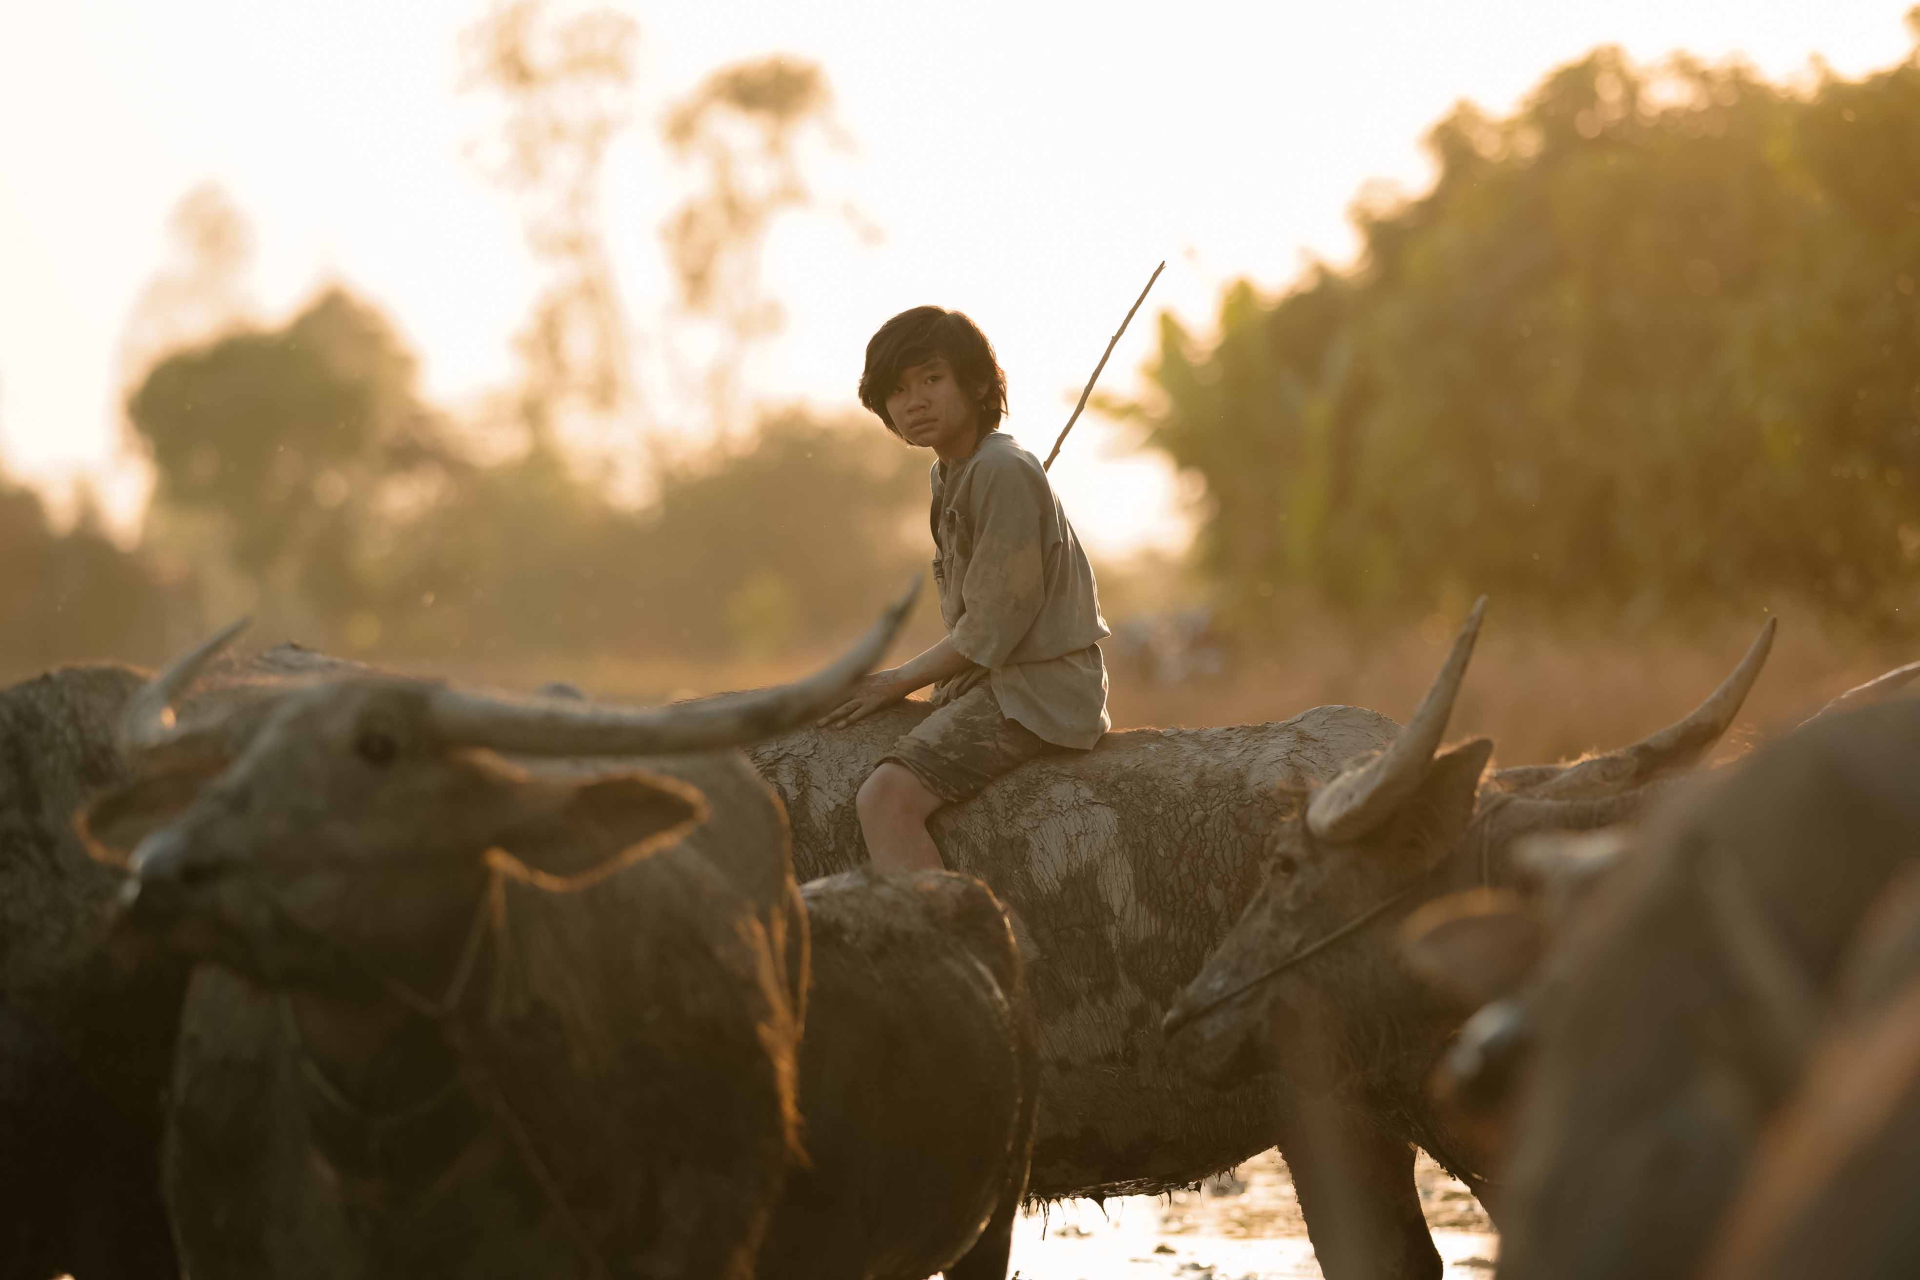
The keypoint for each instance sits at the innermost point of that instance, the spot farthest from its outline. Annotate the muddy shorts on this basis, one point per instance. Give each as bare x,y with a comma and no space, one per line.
961,747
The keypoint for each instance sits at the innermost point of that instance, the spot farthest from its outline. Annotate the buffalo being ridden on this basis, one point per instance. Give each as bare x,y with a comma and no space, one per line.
466,1017
1130,863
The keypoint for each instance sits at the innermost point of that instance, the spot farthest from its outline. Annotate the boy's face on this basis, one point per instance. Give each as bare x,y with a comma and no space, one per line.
930,408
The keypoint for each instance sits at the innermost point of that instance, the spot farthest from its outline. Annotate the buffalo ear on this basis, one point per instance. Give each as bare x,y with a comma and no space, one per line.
584,831
111,826
1435,816
1477,946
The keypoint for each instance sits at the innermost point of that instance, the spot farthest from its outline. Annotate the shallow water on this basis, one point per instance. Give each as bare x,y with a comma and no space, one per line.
1245,1225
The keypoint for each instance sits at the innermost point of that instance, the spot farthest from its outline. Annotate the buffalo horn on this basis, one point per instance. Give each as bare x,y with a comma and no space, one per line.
1878,689
1519,816
1365,796
148,722
569,727
1676,746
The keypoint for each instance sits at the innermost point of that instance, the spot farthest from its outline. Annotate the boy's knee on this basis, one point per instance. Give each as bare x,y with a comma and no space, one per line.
894,791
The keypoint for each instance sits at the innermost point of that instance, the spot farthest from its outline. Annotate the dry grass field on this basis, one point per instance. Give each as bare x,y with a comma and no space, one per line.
1540,692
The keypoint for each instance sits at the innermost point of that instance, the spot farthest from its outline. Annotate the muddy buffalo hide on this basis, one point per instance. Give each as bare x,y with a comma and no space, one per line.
1128,864
917,1086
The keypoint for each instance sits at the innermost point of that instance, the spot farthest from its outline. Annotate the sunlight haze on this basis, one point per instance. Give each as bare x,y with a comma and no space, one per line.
1026,163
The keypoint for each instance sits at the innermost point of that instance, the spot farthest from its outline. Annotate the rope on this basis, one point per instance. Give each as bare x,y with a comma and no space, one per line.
1312,948
443,1013
1483,819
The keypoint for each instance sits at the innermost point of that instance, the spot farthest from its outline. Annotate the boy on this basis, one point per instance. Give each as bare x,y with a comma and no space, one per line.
1019,673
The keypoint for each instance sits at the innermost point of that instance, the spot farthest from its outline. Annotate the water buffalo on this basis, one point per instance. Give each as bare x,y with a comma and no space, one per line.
1490,949
1830,1191
107,1019
1689,998
467,1017
918,1083
1130,863
84,1044
1487,949
1308,981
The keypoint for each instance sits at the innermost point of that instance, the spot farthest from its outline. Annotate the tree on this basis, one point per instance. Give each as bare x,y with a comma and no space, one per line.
785,537
742,127
788,536
565,85
202,292
1649,342
287,440
75,596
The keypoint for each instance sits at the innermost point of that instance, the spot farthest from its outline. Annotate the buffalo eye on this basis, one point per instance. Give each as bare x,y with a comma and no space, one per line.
1285,864
376,746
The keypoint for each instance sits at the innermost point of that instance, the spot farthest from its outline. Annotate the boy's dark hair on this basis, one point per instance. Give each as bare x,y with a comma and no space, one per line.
917,336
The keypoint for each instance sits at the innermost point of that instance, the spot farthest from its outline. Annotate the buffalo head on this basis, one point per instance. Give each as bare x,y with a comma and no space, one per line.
1308,979
350,824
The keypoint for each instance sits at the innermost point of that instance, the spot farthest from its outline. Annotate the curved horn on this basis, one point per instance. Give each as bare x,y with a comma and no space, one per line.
1363,797
568,727
1674,747
1517,817
1876,690
1521,778
148,722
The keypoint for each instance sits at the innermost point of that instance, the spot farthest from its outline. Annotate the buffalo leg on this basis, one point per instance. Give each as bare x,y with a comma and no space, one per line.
988,1258
1358,1196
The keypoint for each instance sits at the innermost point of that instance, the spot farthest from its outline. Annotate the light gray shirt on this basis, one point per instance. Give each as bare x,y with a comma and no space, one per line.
1017,594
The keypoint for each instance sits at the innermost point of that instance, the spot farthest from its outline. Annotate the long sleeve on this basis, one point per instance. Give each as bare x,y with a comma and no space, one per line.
1005,582
1017,594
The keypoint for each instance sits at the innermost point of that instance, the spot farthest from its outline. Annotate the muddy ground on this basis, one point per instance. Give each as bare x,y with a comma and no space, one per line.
1245,1225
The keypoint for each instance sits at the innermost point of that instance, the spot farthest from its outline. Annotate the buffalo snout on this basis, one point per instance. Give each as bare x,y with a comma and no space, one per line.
1218,1045
168,900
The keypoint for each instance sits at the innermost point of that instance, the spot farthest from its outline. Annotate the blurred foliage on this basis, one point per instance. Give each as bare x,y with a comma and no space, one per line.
75,596
1649,344
301,475
201,291
741,128
287,442
356,519
564,84
789,536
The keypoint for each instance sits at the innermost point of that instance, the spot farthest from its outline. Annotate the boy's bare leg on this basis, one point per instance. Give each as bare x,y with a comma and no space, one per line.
894,806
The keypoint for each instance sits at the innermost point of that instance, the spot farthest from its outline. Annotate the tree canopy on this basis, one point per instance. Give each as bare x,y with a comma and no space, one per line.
286,440
1650,342
352,514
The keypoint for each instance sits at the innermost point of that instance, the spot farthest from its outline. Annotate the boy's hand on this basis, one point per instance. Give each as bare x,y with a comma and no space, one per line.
881,689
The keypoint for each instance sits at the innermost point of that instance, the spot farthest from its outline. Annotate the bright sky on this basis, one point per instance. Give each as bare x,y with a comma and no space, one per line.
1027,161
